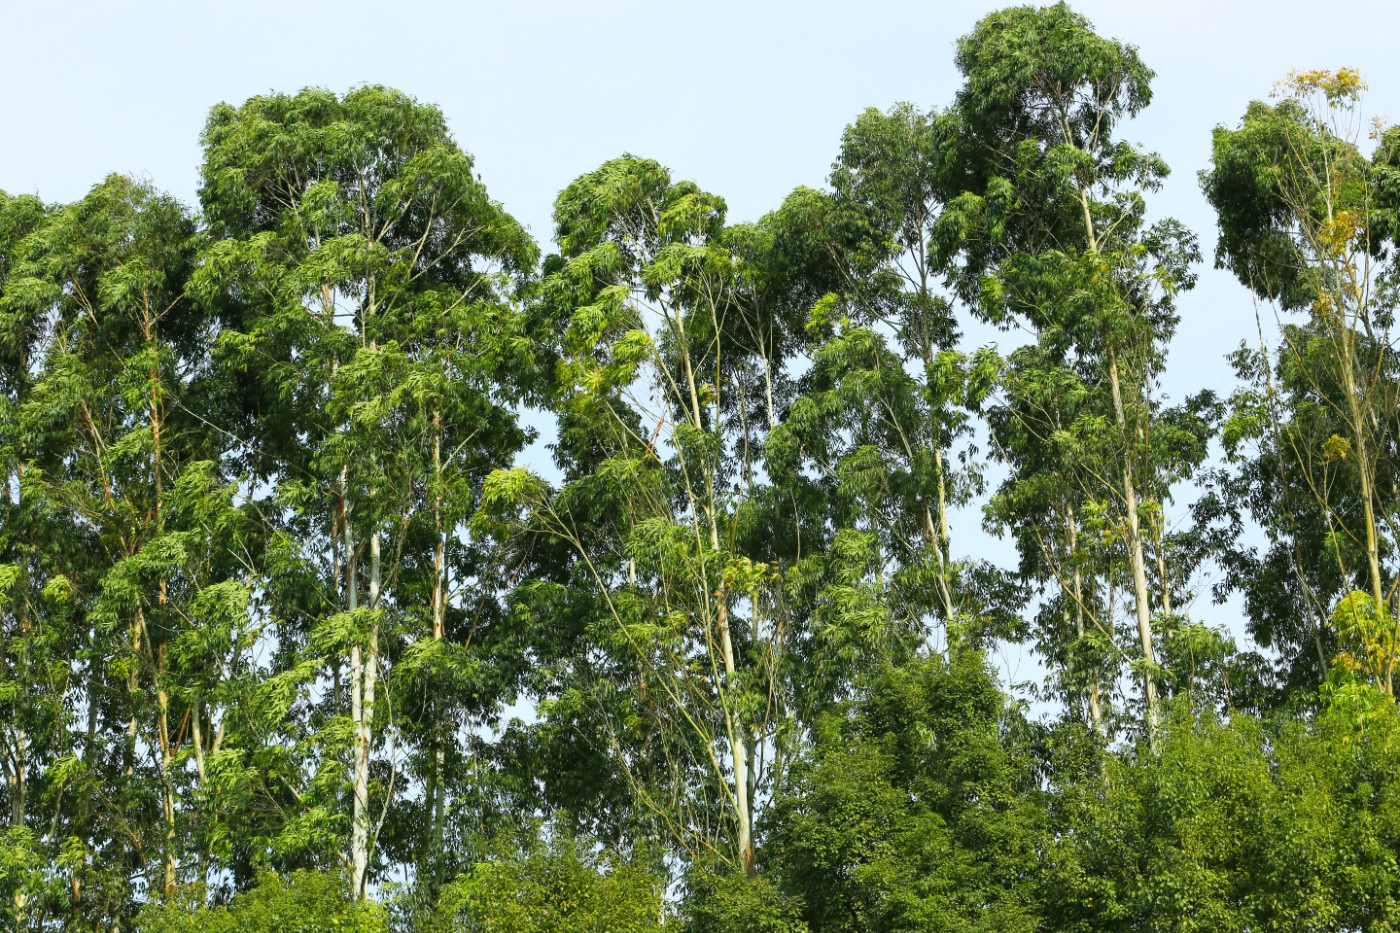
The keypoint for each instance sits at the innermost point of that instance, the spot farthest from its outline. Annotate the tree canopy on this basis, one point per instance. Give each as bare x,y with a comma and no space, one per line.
367,565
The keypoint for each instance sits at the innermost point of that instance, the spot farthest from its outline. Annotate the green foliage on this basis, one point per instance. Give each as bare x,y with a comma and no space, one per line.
918,809
275,564
1305,222
719,901
1233,825
303,902
559,885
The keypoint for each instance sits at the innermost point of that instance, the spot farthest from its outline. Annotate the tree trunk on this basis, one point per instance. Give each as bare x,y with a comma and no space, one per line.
1142,597
17,777
365,735
359,769
738,743
1095,701
1385,676
437,793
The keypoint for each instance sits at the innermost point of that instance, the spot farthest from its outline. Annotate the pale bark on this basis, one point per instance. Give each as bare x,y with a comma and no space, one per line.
437,789
1095,700
1142,597
359,768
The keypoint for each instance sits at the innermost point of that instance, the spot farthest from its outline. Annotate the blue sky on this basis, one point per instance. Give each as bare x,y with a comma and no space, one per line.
747,98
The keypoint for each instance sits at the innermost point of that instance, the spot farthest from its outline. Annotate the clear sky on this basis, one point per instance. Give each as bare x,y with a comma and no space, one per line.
747,98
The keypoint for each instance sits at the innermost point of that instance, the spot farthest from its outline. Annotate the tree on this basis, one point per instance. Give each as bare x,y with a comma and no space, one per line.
1050,229
119,475
555,885
915,809
365,279
1307,223
305,902
887,407
672,349
20,325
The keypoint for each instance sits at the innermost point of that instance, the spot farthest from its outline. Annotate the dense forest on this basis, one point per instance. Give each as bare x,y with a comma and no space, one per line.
365,566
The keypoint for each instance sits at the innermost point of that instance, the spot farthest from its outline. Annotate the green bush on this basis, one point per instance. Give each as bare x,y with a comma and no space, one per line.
559,886
305,902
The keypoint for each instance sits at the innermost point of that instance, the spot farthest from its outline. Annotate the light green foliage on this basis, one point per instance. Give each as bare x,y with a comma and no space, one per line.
559,886
303,902
884,416
666,546
1307,222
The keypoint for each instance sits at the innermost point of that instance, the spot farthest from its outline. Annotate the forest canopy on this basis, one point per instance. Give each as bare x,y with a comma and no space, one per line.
367,565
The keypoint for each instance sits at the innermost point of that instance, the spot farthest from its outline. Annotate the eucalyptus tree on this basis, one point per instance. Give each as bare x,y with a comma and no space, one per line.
20,327
887,407
1051,231
30,721
671,548
141,601
1308,223
365,279
1044,426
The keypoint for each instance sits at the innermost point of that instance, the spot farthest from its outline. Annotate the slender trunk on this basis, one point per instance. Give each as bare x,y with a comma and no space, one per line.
159,657
17,778
197,739
359,769
1095,701
738,743
734,723
1364,474
1142,598
935,541
19,767
944,542
1135,551
436,790
129,751
1162,575
167,785
366,736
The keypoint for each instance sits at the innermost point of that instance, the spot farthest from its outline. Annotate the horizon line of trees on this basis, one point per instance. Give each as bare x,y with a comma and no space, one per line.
272,574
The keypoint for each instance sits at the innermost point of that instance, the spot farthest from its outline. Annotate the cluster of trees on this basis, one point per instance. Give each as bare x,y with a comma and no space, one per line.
273,577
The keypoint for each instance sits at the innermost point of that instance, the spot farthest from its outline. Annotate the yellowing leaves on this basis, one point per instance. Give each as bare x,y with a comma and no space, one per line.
1338,231
1335,448
1342,87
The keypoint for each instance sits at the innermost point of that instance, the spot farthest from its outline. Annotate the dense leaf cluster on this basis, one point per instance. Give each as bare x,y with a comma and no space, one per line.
297,634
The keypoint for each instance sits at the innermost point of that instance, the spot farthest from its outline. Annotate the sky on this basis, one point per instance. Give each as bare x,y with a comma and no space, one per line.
746,98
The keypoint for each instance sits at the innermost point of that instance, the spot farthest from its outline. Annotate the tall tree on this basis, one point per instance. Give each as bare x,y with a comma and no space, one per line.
120,476
887,408
1308,223
674,335
1051,230
366,280
21,325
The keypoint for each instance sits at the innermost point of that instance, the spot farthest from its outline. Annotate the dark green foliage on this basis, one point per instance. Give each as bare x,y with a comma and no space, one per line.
918,809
